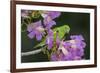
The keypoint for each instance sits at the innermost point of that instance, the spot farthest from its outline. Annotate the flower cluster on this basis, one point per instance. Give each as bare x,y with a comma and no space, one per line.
69,50
36,28
59,49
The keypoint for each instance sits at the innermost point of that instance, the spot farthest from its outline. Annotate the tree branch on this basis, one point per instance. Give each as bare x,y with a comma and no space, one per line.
31,52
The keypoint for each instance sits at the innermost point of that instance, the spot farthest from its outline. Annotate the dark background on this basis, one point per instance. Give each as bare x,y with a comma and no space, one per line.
79,23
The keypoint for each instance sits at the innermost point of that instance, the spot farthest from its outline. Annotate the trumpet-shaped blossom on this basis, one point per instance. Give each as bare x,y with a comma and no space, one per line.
75,37
48,18
51,14
24,13
54,14
77,40
49,39
35,30
48,22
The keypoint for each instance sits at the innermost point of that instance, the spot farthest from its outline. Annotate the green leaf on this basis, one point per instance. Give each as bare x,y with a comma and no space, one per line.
48,54
62,30
27,20
23,27
41,43
35,14
53,50
44,49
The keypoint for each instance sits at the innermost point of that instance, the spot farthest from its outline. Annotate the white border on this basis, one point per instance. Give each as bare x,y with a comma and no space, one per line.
51,64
